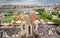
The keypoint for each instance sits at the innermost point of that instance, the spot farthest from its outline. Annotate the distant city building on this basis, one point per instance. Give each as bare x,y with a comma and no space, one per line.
58,8
16,8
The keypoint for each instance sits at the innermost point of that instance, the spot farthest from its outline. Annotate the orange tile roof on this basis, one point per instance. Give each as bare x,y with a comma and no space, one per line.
58,7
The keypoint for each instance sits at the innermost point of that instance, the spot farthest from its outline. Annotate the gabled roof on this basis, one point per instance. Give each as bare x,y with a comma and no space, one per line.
58,7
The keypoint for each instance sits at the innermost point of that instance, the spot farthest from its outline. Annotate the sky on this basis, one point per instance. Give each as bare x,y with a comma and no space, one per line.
29,2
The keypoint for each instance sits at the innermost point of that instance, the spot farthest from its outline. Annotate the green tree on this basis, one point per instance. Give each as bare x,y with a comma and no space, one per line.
10,12
19,12
47,15
55,12
40,11
58,15
56,21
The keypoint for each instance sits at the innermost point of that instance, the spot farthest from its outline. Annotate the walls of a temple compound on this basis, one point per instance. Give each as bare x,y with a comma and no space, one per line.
26,29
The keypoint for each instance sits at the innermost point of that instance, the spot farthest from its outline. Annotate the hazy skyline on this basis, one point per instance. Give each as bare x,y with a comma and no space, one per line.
29,2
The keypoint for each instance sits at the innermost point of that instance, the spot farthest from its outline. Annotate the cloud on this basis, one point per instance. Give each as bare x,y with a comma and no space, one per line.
24,2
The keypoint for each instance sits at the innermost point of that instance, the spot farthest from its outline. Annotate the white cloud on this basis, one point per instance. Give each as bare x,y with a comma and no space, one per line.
29,2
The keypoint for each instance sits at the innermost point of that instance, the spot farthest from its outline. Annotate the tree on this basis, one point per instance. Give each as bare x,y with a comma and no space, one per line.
47,15
19,12
55,12
40,11
56,21
10,12
58,15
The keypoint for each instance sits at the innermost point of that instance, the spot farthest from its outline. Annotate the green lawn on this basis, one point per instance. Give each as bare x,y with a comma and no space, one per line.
41,17
9,18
